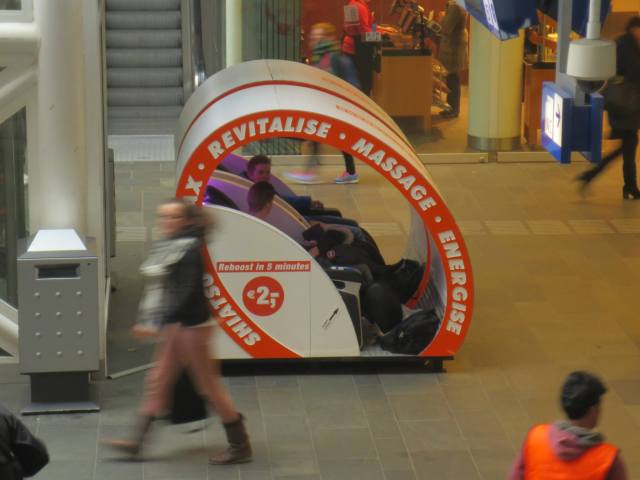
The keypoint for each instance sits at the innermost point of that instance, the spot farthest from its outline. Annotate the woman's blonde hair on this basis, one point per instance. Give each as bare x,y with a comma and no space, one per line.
328,29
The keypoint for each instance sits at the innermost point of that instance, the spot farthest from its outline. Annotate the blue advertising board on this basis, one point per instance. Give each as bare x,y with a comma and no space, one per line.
567,127
503,18
556,121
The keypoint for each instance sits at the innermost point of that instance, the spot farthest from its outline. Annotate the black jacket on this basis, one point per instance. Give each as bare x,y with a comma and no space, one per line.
628,67
17,440
187,303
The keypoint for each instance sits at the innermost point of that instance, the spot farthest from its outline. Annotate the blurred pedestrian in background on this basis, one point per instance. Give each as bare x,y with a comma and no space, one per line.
452,53
326,56
622,102
176,311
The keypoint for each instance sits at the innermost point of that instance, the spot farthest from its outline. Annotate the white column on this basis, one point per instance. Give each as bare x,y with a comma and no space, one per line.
495,90
233,32
57,189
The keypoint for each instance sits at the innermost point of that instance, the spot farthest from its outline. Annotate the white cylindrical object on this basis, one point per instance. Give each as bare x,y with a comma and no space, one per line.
59,186
495,86
593,26
233,32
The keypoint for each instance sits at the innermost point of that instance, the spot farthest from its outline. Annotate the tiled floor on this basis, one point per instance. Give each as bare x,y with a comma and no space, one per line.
557,278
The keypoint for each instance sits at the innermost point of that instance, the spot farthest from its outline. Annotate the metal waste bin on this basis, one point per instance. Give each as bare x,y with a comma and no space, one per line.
58,321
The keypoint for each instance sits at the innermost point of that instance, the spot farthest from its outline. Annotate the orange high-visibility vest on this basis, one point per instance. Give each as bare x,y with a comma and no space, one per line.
541,462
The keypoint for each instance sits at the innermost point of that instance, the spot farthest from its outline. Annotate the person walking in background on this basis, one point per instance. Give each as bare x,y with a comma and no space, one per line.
358,20
622,101
452,53
570,449
325,54
21,454
185,328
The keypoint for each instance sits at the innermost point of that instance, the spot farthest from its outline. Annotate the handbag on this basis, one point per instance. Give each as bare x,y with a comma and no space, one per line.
622,98
187,406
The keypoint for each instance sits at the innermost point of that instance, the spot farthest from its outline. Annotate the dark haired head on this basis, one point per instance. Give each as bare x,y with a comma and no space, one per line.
259,196
580,392
634,22
257,160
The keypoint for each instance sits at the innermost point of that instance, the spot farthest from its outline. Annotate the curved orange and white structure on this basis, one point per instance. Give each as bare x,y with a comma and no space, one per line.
271,298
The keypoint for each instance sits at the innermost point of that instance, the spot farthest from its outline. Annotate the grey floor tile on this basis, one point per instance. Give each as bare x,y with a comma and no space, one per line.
289,437
454,465
113,469
374,399
392,453
482,430
294,467
250,473
424,406
79,468
367,379
281,401
223,472
399,475
410,383
493,464
343,444
277,381
433,436
351,469
383,425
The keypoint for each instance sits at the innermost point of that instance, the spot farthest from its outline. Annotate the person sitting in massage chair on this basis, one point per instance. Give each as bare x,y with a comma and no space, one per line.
260,201
259,170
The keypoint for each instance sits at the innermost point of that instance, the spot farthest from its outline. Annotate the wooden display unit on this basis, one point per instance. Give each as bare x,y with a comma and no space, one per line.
404,86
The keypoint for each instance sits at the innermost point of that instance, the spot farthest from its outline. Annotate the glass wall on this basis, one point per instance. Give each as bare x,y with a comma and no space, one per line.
13,201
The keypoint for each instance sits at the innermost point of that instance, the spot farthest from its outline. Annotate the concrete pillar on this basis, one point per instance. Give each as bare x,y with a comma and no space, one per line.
58,190
233,32
495,89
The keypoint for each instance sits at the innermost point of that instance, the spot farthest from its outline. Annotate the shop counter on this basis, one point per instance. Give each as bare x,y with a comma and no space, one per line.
535,73
404,86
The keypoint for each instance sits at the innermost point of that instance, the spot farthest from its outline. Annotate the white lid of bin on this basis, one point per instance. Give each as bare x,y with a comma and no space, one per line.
57,240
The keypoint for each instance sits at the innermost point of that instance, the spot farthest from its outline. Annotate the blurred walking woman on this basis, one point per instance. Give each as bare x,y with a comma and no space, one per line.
184,326
622,101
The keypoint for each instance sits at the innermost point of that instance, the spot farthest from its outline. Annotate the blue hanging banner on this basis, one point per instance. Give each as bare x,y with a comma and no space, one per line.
503,18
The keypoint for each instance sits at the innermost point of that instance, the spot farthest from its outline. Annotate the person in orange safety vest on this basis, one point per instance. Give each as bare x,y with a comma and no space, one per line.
571,450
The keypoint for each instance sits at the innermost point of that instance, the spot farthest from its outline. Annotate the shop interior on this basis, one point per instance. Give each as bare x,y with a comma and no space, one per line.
411,82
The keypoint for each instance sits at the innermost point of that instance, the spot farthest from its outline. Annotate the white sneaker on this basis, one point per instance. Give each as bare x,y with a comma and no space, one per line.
346,178
303,177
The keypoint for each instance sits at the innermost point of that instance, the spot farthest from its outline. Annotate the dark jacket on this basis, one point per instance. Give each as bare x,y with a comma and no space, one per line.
187,303
452,52
628,67
15,438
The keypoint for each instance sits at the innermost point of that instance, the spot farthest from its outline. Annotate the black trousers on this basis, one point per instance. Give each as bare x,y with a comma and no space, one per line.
349,164
363,61
453,97
628,150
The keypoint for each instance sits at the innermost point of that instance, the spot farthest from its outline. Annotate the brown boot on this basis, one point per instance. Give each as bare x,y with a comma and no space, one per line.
239,449
133,447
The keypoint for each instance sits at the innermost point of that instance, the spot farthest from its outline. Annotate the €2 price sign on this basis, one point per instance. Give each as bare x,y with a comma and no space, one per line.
263,296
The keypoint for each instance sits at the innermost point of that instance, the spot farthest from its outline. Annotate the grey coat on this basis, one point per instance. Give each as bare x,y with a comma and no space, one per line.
453,49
